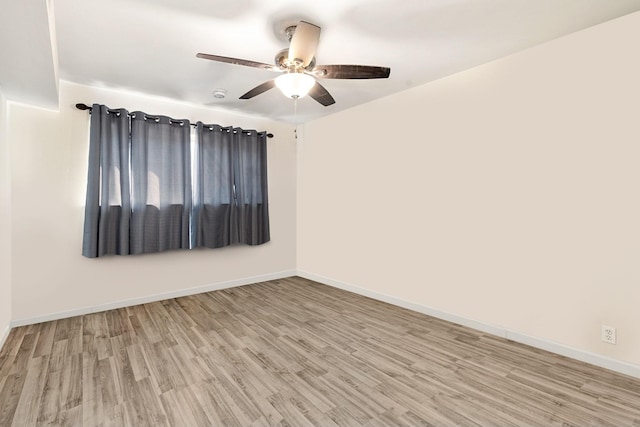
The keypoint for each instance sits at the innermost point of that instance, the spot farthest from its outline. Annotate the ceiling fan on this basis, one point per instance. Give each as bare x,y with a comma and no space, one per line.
298,67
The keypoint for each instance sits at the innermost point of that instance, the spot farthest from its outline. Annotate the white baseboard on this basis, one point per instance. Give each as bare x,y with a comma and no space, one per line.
153,298
4,335
554,347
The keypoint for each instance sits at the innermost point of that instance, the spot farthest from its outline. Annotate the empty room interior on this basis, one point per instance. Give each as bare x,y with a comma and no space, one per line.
442,229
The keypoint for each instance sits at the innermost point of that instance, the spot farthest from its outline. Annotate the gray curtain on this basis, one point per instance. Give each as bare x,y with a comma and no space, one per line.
215,215
139,184
107,209
143,196
232,194
250,178
161,196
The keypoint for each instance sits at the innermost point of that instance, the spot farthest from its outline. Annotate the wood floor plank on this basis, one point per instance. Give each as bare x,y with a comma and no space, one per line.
184,409
24,353
10,395
96,336
290,412
27,406
293,352
45,339
215,408
154,410
92,402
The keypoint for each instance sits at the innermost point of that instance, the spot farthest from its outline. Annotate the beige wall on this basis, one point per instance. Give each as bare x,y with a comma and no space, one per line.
5,224
49,159
508,194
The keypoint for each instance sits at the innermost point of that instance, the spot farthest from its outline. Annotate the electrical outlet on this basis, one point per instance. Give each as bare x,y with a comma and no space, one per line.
608,334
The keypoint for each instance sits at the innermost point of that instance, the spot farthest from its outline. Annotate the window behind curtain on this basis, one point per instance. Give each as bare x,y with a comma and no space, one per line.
154,185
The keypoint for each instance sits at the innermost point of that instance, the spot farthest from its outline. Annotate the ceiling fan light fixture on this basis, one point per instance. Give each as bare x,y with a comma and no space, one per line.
295,85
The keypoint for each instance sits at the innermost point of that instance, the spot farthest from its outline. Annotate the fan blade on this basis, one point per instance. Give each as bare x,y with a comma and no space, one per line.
237,61
322,95
259,89
304,43
351,72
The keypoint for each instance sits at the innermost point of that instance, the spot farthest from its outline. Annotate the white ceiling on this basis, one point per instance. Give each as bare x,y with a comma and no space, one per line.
149,46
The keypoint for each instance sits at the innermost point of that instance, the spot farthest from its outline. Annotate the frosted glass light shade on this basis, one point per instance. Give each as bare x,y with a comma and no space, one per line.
295,85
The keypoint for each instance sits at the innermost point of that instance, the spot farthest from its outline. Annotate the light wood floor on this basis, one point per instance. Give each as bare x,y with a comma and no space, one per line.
293,353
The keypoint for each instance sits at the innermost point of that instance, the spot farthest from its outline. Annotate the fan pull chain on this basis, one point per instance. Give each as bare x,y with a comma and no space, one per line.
295,117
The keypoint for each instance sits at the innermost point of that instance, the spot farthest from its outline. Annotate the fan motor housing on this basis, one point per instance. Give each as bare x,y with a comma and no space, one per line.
282,61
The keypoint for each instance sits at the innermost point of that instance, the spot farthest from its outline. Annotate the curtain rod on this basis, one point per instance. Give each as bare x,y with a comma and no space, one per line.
87,107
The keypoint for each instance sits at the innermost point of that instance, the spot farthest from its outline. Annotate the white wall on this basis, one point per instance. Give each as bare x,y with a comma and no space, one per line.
5,225
508,194
49,161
